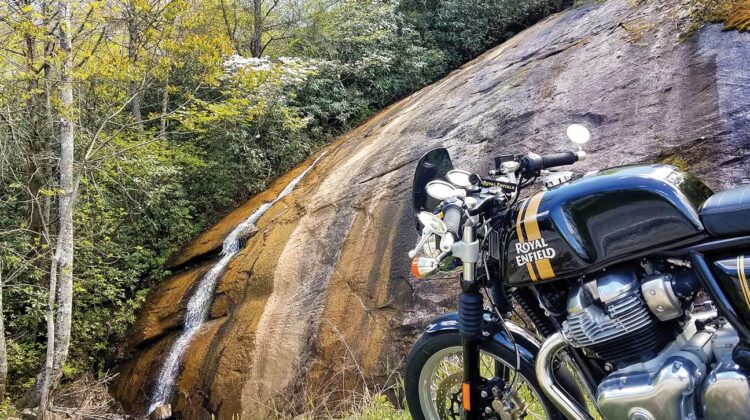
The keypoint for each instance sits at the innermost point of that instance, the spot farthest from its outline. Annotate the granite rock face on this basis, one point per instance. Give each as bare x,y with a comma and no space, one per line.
324,284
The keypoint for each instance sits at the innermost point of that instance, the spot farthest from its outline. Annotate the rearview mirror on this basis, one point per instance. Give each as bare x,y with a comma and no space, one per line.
578,134
432,223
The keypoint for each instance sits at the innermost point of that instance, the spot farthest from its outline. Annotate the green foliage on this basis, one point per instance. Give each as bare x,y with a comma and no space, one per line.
23,358
462,29
216,128
7,410
378,408
372,53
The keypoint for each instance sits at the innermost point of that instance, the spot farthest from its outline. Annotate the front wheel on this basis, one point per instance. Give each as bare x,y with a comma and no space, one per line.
434,372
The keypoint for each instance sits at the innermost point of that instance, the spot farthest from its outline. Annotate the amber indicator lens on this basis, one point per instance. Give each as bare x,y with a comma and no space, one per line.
422,267
466,397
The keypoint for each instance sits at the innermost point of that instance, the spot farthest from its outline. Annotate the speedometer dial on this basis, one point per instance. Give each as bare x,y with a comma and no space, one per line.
459,178
441,190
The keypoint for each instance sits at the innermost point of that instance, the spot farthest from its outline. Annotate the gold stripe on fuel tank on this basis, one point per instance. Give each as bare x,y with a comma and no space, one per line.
531,224
519,231
519,219
529,221
531,272
743,279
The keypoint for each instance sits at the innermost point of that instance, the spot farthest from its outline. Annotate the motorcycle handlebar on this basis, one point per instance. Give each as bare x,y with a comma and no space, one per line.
535,163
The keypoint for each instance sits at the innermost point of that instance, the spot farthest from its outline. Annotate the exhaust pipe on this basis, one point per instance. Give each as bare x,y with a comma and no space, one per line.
544,374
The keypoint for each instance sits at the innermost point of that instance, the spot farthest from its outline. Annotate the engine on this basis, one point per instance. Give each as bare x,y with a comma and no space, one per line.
644,326
610,319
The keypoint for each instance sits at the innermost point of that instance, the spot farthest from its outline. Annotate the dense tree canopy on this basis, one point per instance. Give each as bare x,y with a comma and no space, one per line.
182,109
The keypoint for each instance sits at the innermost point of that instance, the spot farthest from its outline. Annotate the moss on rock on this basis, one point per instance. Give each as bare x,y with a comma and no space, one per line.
739,17
735,14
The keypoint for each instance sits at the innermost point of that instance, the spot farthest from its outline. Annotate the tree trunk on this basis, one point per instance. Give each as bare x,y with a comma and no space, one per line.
164,109
46,205
3,352
34,169
256,43
41,391
58,342
35,143
230,28
41,207
135,101
67,198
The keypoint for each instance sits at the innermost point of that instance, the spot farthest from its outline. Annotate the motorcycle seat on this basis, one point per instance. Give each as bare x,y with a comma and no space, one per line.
727,213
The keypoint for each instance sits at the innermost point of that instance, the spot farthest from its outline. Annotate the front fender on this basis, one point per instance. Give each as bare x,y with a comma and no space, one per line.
528,345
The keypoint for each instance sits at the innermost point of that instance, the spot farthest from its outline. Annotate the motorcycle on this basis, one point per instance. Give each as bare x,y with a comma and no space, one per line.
631,284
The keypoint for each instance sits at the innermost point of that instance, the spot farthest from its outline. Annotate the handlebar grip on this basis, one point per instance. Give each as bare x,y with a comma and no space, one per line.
452,219
534,163
559,159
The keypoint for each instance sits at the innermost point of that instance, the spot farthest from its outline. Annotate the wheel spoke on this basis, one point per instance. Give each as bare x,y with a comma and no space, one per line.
536,416
484,362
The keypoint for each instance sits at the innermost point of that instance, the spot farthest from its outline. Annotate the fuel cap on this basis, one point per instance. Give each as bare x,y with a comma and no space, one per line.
556,178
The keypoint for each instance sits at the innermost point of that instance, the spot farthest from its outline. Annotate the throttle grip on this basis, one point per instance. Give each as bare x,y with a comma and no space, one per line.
534,163
559,159
452,218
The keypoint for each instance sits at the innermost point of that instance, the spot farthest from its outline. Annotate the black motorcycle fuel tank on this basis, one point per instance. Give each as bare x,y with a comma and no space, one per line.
602,218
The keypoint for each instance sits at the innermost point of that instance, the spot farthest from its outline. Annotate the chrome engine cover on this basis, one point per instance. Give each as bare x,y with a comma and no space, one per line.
669,393
696,379
726,392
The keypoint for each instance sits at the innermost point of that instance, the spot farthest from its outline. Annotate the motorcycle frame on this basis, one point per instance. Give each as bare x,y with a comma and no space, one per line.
697,254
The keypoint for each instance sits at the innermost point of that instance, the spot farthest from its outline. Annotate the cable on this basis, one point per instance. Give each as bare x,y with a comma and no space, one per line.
500,319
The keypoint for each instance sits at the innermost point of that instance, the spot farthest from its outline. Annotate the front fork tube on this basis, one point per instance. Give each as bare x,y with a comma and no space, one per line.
470,312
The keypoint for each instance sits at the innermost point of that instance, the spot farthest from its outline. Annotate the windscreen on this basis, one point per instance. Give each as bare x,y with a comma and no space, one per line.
433,165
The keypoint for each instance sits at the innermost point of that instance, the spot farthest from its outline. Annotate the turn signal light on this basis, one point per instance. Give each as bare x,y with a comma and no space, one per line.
423,266
466,396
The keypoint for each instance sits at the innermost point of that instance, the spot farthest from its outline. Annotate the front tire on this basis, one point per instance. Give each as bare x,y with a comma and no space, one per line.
434,372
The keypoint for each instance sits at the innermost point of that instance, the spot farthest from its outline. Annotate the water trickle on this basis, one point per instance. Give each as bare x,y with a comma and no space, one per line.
200,303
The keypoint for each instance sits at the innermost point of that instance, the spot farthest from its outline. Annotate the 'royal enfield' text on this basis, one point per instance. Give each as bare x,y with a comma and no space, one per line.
532,251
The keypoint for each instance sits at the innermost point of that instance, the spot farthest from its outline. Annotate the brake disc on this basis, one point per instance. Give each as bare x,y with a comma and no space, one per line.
449,391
